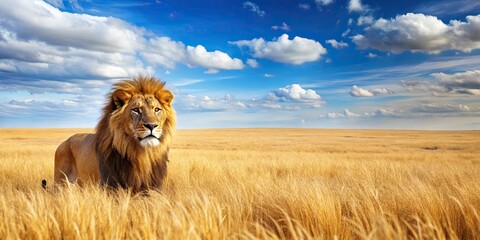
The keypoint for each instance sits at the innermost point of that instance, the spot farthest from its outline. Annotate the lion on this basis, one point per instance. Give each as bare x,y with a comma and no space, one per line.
129,148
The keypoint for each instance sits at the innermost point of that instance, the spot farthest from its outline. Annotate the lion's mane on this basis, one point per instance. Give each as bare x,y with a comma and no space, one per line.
122,162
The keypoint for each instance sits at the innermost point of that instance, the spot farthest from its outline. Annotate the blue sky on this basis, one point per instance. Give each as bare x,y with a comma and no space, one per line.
306,63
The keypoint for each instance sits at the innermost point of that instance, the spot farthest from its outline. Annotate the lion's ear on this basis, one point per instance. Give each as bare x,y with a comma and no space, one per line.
165,97
121,97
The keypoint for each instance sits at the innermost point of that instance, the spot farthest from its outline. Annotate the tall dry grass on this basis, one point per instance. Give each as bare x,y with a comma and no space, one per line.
258,184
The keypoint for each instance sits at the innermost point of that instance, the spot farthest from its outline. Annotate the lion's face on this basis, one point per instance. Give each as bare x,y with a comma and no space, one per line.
147,116
142,115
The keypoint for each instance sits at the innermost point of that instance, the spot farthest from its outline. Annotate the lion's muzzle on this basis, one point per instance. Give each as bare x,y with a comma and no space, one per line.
150,138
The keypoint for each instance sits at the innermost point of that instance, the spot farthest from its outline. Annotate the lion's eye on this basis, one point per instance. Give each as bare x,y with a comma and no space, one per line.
157,109
136,110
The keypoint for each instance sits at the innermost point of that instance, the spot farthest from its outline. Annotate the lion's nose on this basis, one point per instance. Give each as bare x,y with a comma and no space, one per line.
150,126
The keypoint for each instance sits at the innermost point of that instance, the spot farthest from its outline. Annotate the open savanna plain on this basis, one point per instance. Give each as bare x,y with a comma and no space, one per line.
258,184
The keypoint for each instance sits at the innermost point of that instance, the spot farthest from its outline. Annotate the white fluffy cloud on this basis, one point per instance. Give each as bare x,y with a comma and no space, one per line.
162,51
336,44
360,92
39,21
295,96
462,80
29,58
356,6
198,56
41,40
384,112
297,93
420,33
365,20
165,52
467,82
296,51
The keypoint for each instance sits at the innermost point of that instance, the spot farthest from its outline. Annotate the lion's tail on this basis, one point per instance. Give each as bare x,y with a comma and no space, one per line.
44,184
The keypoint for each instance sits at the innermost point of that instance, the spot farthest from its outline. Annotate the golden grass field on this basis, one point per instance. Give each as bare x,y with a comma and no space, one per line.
258,184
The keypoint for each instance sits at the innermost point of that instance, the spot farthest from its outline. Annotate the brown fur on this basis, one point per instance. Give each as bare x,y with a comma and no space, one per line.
114,155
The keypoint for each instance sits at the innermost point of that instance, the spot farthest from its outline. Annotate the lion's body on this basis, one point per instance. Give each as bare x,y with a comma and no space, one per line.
130,146
75,160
